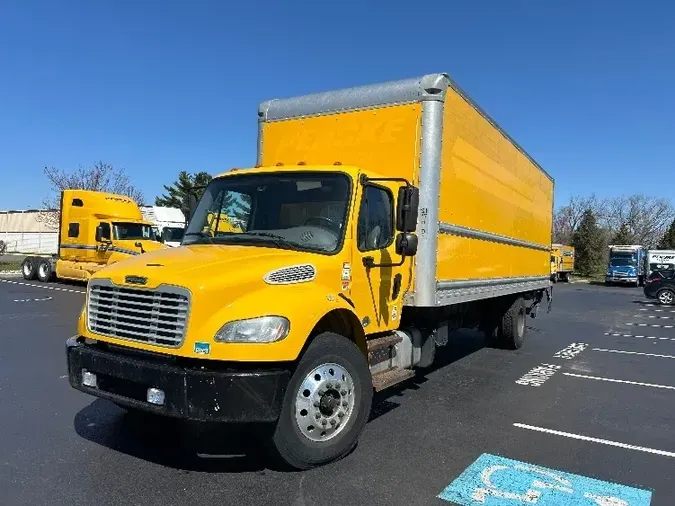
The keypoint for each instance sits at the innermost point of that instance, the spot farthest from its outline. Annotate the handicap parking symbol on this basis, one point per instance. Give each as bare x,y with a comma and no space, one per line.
498,481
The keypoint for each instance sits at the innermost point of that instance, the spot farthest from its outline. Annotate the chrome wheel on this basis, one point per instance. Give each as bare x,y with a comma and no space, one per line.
42,271
666,297
27,269
324,402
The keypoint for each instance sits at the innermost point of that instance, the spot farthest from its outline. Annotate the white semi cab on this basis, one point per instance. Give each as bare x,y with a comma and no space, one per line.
168,222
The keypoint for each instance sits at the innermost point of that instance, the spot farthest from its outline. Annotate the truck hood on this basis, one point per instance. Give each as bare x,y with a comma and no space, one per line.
200,266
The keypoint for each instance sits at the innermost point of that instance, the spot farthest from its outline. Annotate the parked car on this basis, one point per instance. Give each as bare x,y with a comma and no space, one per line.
660,285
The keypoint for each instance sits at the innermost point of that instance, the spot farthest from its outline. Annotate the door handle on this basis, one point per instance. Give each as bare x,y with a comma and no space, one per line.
397,286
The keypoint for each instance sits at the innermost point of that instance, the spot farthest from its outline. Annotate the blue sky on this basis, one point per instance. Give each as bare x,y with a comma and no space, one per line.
157,86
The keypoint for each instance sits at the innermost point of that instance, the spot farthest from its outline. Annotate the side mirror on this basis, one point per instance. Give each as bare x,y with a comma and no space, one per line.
406,244
99,234
407,208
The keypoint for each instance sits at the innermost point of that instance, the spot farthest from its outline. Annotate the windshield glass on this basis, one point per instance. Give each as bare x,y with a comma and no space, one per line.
621,261
133,231
173,234
303,211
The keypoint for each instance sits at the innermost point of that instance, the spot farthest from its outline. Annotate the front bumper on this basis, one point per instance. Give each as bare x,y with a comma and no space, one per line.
193,391
621,279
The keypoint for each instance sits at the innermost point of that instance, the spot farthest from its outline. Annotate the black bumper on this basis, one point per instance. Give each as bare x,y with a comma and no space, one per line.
192,391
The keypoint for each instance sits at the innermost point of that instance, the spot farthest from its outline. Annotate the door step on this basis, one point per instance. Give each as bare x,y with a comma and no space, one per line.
383,342
385,379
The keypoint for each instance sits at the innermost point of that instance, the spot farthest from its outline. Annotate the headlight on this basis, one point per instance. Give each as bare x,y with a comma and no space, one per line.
266,329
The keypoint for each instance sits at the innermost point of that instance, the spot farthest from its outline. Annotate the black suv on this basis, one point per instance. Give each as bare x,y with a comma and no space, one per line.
660,285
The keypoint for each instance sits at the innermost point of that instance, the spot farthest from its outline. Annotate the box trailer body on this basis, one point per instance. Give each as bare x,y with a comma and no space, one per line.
562,262
626,264
83,215
377,219
168,222
659,260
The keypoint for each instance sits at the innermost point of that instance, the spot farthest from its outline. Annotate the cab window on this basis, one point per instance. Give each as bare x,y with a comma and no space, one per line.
375,226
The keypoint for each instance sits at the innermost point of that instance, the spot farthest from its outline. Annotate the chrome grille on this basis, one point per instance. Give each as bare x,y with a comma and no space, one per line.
289,275
156,316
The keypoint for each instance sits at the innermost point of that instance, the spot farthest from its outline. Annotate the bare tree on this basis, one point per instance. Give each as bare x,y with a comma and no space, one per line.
645,218
99,177
567,218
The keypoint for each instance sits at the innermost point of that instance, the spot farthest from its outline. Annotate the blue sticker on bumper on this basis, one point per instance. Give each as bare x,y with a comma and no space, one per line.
202,348
497,481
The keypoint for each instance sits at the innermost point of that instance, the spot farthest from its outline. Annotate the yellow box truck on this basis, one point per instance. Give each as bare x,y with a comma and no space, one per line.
378,219
562,262
95,230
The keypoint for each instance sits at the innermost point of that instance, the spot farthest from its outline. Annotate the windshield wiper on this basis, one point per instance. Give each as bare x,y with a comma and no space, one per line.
279,240
202,235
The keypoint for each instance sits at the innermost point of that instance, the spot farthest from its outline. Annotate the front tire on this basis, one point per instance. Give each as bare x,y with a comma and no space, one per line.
666,297
326,405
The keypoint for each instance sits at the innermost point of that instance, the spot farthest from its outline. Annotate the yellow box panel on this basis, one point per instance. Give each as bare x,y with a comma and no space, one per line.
487,184
385,140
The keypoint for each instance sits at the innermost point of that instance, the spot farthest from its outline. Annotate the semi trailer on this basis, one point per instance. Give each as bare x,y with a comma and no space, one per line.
377,220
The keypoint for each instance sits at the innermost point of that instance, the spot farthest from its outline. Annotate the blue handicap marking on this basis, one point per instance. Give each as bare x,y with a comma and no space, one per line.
497,481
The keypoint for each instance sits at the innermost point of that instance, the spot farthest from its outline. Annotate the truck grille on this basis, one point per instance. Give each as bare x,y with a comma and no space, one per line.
150,316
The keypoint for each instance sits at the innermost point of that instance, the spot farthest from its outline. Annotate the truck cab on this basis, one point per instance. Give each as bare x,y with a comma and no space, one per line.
626,265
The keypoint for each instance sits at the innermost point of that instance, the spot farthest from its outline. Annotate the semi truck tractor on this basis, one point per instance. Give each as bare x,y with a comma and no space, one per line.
168,223
378,219
626,265
95,229
660,260
562,262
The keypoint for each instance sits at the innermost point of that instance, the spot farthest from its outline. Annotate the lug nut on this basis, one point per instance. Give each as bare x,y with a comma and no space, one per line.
341,414
316,404
344,392
344,404
329,385
324,422
333,422
322,392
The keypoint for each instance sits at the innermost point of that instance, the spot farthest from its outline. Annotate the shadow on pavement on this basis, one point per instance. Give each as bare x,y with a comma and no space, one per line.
226,448
174,443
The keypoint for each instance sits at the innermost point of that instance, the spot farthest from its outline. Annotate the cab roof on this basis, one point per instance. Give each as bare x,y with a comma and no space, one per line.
348,169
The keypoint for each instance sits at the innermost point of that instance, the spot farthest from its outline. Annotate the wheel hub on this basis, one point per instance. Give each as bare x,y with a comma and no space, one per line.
324,402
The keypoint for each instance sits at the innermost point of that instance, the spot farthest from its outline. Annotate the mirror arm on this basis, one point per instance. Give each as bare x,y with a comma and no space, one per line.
365,179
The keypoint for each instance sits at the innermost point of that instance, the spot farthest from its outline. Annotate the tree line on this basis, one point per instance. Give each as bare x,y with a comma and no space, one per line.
591,224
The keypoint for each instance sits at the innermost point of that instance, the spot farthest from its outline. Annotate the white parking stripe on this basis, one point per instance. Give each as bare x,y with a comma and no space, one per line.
595,440
633,353
653,325
44,287
653,316
653,385
658,310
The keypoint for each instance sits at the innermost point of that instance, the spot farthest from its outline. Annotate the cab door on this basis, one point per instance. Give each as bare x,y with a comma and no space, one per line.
377,291
104,249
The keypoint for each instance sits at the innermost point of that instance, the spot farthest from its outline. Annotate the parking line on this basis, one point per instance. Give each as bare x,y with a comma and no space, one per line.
633,353
44,287
653,316
595,440
598,378
658,310
653,325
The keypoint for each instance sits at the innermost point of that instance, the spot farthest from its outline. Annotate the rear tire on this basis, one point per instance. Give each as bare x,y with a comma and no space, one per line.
326,405
666,297
512,327
29,268
44,270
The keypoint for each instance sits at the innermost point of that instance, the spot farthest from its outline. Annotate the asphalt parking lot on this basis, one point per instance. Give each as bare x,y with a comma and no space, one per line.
583,413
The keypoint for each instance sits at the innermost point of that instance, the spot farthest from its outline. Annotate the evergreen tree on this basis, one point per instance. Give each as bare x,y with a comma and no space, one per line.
623,236
588,245
668,241
178,193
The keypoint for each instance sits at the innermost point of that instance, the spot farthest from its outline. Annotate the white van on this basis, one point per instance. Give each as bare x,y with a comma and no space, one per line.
660,260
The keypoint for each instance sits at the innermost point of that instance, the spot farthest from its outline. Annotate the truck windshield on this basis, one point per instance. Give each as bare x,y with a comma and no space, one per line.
133,231
621,261
289,210
172,234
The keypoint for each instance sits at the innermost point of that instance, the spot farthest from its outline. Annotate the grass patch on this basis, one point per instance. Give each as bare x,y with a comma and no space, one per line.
9,266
